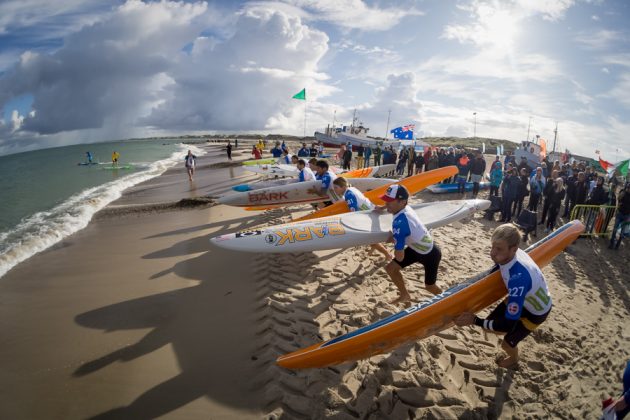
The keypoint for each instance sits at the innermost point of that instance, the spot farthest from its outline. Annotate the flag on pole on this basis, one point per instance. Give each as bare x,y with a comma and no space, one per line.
404,133
622,167
543,148
610,168
606,165
300,95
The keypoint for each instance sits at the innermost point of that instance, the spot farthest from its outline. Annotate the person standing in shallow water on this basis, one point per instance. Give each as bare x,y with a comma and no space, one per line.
190,164
229,150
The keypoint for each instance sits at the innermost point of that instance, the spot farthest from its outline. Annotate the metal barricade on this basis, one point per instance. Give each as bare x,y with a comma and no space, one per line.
596,219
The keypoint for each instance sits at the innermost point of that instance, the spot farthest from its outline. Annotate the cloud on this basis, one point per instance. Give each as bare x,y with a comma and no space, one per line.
245,82
620,91
354,14
622,59
551,10
106,72
600,40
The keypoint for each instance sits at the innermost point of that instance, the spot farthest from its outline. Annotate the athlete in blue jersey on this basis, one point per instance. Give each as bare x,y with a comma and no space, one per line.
305,172
528,302
276,151
326,176
412,244
357,202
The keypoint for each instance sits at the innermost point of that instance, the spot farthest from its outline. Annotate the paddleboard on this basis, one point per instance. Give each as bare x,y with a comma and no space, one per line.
295,193
452,188
117,167
87,163
342,231
263,184
413,184
276,169
427,317
373,171
266,161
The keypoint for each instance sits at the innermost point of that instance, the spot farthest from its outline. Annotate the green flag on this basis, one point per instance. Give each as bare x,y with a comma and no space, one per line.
623,167
300,95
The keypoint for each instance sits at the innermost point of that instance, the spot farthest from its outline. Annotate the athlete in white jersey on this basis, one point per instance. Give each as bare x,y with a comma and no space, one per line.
357,202
528,302
412,244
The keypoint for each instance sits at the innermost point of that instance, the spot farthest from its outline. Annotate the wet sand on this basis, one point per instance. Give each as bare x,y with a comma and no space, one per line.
137,316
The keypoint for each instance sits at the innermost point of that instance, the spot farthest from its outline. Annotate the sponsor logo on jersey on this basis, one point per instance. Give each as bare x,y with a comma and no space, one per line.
513,308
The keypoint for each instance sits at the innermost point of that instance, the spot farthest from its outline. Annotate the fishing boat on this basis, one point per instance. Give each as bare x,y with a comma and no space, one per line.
355,135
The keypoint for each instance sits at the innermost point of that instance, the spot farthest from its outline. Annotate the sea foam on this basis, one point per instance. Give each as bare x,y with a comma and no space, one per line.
46,228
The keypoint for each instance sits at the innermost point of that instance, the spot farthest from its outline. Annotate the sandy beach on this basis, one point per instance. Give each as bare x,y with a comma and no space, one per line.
138,316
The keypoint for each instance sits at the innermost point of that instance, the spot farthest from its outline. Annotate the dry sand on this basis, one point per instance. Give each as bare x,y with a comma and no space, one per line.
137,316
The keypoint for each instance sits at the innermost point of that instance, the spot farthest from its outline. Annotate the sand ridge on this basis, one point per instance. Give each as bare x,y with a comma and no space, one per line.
138,316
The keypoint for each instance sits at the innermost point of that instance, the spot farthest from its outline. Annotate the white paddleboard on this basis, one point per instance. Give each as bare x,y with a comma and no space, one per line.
342,231
295,193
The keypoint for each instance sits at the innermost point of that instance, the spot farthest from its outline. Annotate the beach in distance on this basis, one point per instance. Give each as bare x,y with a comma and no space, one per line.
136,315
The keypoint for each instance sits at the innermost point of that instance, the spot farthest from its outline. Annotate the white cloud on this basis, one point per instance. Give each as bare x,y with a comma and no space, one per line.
620,91
600,40
104,72
622,59
551,10
496,24
246,82
42,19
355,14
490,64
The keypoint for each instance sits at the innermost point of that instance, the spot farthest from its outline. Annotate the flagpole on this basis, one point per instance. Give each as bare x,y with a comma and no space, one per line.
304,118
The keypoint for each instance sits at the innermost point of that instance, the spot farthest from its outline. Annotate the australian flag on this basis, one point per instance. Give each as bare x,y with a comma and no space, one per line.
405,132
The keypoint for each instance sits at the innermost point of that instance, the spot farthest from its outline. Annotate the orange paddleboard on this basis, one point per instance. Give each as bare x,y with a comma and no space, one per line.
413,184
427,317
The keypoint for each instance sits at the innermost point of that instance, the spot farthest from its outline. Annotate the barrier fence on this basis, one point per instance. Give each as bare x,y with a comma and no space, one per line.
597,220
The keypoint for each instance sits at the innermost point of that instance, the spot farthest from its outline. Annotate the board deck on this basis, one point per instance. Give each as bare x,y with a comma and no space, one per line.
429,316
414,184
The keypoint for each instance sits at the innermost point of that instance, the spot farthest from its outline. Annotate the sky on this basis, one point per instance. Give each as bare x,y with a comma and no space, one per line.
81,71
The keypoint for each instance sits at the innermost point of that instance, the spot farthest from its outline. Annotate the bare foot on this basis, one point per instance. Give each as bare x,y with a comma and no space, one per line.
406,300
433,289
507,362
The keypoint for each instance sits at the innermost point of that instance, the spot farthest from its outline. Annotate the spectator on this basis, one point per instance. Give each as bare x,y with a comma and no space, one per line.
556,197
347,158
547,195
477,169
523,191
496,176
360,151
377,155
509,192
622,218
536,187
419,162
368,155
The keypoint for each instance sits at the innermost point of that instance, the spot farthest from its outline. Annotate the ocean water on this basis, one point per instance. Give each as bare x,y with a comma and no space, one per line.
46,196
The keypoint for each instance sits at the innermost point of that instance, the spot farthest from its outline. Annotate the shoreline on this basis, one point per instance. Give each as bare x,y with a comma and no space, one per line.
138,316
